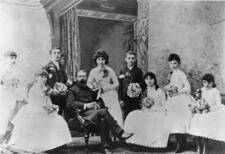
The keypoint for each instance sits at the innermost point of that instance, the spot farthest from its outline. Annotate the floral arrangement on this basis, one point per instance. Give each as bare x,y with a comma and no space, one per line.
201,106
59,89
50,108
171,90
13,83
147,102
133,90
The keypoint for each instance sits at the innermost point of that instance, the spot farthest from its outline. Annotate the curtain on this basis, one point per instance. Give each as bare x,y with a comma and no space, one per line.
70,42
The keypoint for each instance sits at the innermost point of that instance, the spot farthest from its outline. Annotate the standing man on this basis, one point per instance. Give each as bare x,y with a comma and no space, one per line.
130,74
56,74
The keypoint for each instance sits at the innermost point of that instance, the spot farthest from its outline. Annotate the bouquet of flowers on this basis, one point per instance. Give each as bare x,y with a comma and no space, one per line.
60,88
13,83
147,102
171,90
50,108
133,90
201,106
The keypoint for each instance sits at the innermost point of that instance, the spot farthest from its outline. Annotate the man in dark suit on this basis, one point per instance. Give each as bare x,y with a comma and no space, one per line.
92,111
56,74
130,74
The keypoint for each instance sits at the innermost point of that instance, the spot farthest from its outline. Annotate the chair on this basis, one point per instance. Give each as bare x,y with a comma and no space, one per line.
76,123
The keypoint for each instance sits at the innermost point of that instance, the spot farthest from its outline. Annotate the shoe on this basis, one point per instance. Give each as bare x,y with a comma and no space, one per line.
125,136
107,151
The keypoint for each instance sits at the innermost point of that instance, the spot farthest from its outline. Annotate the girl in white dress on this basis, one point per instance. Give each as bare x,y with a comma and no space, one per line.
11,94
37,126
103,79
150,126
178,101
211,124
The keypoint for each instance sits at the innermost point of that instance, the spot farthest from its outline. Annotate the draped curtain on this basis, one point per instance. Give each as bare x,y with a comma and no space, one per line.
70,42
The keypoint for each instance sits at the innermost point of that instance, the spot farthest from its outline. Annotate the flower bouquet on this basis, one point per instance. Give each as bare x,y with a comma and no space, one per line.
13,83
134,90
60,89
171,90
51,108
201,106
147,102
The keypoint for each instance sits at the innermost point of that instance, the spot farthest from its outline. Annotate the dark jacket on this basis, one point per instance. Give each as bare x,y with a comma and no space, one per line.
55,75
78,95
130,76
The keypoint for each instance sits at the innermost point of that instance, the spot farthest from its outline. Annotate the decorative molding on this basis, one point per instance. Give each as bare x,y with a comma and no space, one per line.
68,7
105,15
22,3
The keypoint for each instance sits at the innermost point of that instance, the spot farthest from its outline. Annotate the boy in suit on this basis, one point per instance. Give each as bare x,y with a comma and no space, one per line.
56,74
130,74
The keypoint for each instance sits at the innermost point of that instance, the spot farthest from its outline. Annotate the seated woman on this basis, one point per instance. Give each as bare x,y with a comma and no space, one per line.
103,79
37,126
150,125
208,121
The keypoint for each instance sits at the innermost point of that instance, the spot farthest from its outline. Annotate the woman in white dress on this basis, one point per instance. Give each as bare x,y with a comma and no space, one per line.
178,101
37,126
210,124
11,94
150,126
103,79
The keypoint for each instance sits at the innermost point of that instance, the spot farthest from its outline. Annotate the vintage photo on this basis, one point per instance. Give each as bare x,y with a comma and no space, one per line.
112,77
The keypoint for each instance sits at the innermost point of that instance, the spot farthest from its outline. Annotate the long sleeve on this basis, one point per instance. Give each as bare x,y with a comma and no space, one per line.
115,82
217,97
186,85
72,102
120,90
162,97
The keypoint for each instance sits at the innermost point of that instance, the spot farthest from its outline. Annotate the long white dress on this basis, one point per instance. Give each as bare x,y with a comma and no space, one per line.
110,95
178,109
151,127
212,124
11,91
35,130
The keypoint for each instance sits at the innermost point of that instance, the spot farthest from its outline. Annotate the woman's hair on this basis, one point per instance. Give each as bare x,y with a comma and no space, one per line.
101,53
209,78
152,76
175,57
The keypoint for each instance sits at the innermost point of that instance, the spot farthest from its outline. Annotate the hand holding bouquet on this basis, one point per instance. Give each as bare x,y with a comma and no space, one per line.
51,108
147,102
134,90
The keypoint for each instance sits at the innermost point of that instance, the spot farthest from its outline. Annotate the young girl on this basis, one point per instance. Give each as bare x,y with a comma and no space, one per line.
178,101
103,78
210,124
12,93
150,125
37,126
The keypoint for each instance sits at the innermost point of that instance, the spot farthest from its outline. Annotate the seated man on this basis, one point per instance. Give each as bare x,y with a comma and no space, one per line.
93,111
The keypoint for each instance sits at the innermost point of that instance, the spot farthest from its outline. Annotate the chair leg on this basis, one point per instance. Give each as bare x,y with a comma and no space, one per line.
86,139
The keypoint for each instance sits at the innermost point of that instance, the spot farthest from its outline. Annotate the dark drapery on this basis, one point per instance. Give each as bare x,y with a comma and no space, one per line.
70,42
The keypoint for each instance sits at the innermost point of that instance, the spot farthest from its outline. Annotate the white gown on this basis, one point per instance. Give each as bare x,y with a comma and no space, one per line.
178,110
9,94
151,127
110,95
34,129
212,124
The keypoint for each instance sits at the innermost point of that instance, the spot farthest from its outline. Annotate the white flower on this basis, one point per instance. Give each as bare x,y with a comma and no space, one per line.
121,76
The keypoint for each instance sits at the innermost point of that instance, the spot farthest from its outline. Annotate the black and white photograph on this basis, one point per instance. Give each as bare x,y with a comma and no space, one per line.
112,77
